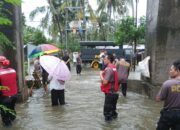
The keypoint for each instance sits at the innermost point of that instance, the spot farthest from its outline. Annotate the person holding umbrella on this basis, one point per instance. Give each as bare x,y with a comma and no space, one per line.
57,91
58,74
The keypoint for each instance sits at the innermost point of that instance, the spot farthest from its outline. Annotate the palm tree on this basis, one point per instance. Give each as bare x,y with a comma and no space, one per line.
53,17
55,12
131,3
112,6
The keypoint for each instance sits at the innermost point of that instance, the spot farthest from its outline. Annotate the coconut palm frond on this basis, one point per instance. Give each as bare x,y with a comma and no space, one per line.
62,7
92,14
38,10
102,6
45,21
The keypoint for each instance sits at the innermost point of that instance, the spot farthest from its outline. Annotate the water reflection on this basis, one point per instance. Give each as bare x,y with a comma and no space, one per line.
84,109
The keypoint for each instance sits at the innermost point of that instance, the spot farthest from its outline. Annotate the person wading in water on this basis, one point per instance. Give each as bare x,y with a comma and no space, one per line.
109,85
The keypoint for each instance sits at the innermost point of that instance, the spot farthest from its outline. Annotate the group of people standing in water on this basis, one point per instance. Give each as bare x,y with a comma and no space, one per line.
113,75
116,72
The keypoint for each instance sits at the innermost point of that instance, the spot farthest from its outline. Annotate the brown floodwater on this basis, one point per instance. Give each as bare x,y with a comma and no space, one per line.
84,109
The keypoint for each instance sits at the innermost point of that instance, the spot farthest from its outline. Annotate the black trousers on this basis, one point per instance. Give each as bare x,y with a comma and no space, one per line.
8,109
57,97
69,66
169,119
78,69
110,105
123,87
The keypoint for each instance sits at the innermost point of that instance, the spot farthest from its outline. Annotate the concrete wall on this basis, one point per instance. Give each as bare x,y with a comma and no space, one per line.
163,37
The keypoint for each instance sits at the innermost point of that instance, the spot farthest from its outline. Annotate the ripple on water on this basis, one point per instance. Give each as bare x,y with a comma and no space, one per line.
84,110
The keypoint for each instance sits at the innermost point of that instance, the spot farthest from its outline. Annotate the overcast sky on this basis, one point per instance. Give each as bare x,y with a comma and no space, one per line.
29,5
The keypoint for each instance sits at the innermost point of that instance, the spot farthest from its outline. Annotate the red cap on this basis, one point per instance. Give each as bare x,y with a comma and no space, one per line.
2,58
4,61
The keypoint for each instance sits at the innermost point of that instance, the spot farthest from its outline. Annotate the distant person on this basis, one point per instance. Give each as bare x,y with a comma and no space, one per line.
37,71
78,64
66,59
101,57
170,94
8,94
44,79
37,67
57,91
123,69
115,59
109,85
75,54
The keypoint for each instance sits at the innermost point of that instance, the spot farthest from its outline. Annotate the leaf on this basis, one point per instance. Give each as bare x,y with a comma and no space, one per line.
4,40
4,88
15,2
5,21
127,32
5,109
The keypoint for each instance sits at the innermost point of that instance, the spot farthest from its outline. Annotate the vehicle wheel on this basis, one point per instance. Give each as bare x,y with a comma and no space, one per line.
95,65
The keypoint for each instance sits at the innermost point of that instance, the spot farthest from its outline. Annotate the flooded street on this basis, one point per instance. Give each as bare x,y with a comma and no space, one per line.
84,109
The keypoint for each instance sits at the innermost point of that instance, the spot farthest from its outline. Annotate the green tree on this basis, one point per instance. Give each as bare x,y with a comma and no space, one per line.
127,31
142,30
112,6
5,21
54,19
33,35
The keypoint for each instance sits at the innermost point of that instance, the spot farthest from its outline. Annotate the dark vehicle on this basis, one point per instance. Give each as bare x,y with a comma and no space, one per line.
90,51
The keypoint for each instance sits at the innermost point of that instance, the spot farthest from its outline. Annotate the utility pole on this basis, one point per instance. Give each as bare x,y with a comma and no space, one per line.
85,4
77,7
136,23
135,40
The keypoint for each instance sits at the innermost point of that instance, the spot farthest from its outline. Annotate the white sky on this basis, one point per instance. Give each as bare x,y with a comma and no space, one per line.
29,5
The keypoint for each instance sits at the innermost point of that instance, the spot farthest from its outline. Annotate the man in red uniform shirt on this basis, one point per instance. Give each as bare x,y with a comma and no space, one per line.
109,85
8,96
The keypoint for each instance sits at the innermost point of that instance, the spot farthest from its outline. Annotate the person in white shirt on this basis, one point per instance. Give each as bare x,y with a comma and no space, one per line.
57,91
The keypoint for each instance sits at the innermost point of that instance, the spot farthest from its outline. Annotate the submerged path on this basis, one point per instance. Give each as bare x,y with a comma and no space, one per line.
84,109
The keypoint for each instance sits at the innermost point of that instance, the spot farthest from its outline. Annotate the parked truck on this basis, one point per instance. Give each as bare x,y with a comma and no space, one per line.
90,51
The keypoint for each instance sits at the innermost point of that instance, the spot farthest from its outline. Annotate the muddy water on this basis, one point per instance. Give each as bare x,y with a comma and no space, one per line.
84,109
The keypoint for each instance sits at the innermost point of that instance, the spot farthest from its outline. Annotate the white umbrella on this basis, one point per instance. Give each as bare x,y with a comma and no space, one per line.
55,67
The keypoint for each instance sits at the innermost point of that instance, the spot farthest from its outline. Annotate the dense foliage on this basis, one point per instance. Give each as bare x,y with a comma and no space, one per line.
127,31
33,35
102,25
4,20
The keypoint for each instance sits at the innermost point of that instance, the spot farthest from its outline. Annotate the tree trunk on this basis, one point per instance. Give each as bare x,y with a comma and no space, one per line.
15,52
56,18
